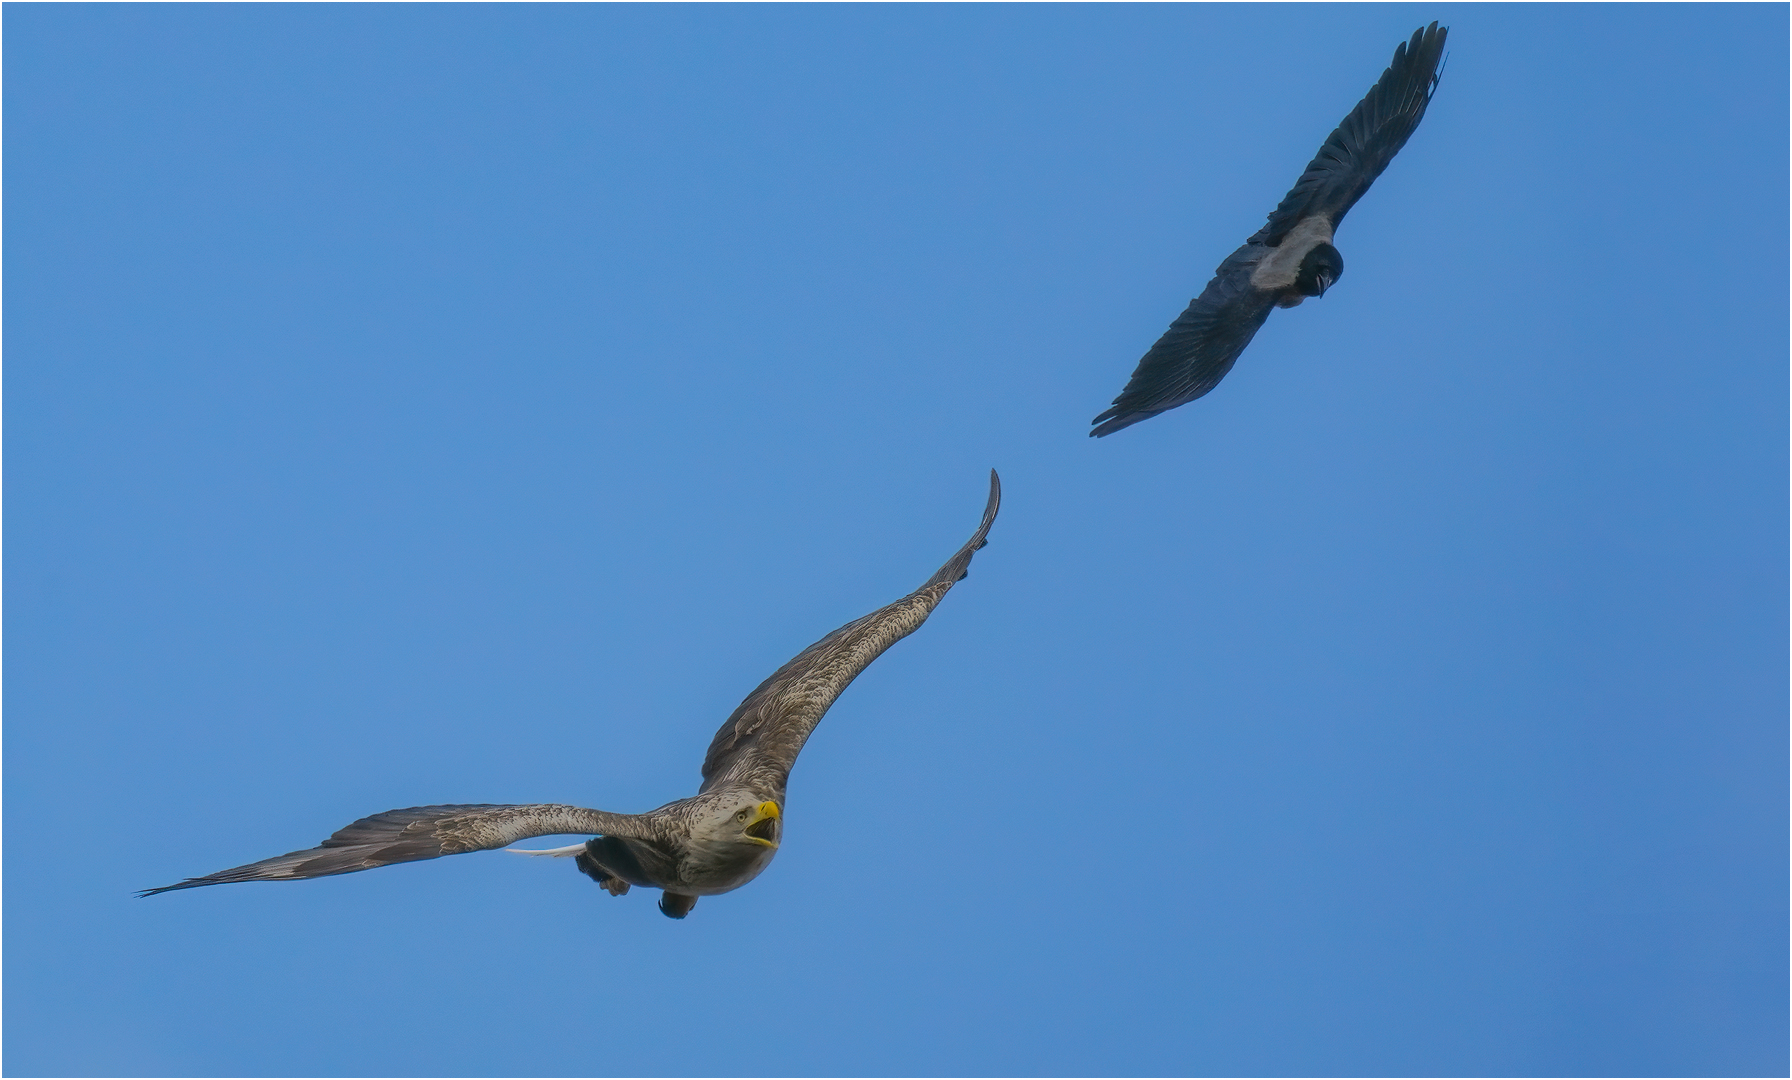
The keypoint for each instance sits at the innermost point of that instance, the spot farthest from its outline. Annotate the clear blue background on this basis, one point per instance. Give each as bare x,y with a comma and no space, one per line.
411,404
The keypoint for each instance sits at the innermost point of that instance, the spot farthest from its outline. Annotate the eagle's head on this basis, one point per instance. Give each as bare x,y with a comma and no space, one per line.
760,823
744,820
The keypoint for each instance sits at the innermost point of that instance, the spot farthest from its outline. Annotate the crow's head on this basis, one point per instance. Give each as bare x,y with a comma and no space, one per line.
1319,271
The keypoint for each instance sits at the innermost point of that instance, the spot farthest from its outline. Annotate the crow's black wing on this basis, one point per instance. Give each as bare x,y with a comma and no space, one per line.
1195,352
1361,147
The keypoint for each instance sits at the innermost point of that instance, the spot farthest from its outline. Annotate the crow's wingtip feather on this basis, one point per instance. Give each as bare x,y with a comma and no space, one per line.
1115,420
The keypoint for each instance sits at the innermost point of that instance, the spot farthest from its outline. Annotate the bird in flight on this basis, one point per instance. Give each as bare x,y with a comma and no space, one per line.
1291,257
714,842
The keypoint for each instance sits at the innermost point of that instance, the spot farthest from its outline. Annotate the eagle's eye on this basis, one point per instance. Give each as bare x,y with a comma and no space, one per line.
743,815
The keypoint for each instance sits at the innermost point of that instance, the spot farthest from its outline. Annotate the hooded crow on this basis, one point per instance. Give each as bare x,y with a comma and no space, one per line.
1291,257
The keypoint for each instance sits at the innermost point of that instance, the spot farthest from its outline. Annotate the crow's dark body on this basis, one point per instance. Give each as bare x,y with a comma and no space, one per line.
1201,346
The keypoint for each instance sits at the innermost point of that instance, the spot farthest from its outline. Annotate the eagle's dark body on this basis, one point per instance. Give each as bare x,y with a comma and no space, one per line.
1291,257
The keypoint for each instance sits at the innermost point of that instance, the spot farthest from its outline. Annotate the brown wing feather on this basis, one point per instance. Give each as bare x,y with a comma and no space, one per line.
421,832
759,743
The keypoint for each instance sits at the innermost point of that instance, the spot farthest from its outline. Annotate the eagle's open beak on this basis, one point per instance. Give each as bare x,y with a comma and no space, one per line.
763,829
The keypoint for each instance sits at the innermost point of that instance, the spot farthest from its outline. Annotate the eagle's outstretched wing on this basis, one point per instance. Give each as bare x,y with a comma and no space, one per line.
1363,144
422,832
1195,352
759,743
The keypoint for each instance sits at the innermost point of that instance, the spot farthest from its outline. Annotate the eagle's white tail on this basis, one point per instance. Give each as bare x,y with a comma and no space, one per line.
557,852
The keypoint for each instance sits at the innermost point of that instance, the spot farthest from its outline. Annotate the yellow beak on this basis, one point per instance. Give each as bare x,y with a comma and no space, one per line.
763,829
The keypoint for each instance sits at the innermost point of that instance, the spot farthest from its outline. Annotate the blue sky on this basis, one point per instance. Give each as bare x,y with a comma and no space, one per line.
413,404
